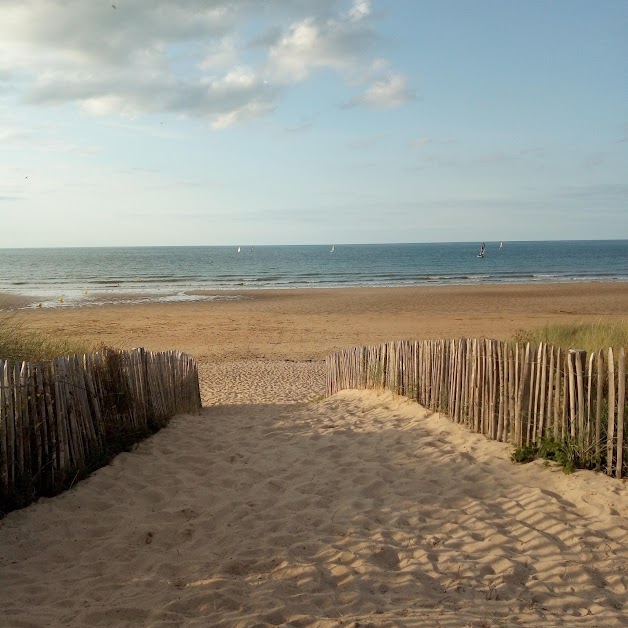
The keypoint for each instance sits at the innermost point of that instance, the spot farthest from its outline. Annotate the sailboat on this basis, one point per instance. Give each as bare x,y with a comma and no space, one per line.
482,249
501,245
238,249
333,248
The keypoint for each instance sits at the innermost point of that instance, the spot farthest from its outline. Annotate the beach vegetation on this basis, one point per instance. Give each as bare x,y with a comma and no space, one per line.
588,336
525,453
18,342
570,453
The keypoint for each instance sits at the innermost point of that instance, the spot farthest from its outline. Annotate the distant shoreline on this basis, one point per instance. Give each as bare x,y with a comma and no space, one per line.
17,301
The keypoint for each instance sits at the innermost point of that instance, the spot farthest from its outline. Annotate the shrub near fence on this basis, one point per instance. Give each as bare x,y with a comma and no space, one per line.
62,419
512,393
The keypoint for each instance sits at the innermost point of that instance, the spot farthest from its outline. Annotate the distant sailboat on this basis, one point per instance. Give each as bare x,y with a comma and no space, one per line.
333,248
501,245
238,249
482,250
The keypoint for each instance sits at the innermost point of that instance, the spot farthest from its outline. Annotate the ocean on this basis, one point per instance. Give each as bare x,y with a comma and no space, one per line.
83,276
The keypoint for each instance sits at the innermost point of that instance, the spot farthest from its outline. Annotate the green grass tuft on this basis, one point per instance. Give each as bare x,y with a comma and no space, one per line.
586,336
19,343
569,454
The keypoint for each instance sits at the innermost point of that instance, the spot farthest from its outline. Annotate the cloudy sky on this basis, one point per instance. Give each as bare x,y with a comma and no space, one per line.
174,122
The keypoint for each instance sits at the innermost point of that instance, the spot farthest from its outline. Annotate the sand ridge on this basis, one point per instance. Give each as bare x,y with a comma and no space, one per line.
359,509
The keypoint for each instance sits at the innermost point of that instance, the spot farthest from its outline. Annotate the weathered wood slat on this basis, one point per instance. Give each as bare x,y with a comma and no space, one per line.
542,392
621,393
610,440
580,357
11,422
533,423
46,459
4,436
557,389
17,422
34,433
589,421
466,404
512,387
598,410
550,392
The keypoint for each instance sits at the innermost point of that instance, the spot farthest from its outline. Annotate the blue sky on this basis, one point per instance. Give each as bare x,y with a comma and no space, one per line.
160,122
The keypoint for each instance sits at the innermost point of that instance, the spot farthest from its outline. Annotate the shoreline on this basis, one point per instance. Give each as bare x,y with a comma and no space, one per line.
14,301
306,324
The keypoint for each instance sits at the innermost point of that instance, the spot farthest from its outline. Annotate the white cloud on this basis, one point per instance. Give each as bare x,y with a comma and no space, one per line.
340,43
360,9
389,92
219,55
192,57
298,52
251,110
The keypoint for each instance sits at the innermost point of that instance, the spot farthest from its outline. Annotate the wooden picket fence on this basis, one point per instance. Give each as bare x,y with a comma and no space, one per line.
61,419
509,392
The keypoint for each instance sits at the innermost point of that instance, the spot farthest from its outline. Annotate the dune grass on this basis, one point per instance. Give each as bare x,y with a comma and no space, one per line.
17,342
586,336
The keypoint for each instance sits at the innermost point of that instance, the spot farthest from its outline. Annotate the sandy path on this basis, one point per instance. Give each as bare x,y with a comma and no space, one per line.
357,510
255,381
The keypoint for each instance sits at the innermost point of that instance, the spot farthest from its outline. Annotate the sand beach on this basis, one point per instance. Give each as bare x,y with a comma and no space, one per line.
275,506
308,324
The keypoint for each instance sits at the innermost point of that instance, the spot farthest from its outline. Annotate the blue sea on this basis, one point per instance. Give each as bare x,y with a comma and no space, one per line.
83,276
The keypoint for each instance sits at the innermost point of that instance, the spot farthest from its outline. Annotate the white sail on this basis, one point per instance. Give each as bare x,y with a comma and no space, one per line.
333,248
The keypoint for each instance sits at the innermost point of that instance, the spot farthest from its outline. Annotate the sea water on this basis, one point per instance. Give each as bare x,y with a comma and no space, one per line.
78,276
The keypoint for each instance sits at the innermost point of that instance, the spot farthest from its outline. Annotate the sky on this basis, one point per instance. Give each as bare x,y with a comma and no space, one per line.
189,122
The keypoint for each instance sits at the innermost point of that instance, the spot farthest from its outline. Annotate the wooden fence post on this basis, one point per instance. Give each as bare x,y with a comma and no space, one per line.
611,413
621,392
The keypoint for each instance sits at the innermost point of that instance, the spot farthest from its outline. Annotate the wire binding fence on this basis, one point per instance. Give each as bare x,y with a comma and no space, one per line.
509,392
60,420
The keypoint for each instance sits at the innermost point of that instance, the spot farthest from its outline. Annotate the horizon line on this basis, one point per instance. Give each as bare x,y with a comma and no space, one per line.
326,244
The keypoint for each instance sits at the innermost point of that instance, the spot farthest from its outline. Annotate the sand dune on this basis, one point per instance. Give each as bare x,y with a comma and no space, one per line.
361,510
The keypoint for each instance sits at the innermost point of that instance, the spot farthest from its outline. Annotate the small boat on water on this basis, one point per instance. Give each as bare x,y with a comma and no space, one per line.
501,245
333,248
238,249
482,250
